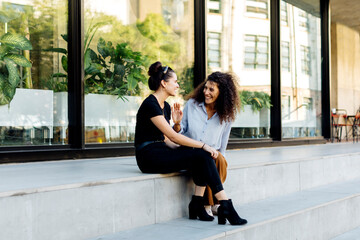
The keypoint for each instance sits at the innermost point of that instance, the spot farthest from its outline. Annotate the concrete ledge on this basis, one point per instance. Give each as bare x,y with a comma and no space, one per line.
320,213
28,178
250,183
78,213
350,235
86,198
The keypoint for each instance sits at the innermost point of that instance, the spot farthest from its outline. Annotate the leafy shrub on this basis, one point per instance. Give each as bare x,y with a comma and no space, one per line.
257,100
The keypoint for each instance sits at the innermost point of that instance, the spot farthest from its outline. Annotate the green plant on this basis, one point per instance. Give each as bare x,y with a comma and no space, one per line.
58,81
113,70
122,69
185,80
257,100
10,59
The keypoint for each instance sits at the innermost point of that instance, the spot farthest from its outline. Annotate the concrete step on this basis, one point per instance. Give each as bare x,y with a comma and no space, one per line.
263,173
87,198
353,234
320,213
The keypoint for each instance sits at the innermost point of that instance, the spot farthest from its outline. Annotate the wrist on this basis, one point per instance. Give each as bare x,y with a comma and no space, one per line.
203,146
177,127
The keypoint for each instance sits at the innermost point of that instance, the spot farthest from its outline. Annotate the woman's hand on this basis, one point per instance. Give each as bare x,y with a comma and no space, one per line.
214,153
176,113
171,144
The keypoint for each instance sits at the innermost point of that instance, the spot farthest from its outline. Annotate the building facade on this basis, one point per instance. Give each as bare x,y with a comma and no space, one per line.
73,73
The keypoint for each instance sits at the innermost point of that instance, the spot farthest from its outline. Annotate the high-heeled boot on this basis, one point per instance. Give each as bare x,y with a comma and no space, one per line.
197,210
227,211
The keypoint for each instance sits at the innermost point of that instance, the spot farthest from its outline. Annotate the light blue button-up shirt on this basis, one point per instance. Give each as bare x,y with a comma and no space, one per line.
196,125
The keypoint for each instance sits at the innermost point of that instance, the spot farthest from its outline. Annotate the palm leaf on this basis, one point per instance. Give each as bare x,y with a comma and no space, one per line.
4,49
16,41
65,37
57,50
58,75
3,97
19,60
91,33
87,59
132,83
258,101
13,78
64,63
9,91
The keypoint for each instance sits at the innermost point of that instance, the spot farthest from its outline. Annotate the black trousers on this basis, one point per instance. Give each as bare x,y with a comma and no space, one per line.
158,158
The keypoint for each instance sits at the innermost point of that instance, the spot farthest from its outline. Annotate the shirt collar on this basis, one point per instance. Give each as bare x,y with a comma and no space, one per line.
202,105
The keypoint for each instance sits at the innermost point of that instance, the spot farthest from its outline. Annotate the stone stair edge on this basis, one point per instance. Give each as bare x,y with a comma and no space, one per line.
143,177
238,229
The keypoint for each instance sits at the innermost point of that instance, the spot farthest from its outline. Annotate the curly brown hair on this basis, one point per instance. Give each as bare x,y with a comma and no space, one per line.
228,102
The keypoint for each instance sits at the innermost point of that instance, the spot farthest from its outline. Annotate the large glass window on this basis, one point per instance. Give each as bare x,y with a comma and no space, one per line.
122,39
33,49
244,52
301,86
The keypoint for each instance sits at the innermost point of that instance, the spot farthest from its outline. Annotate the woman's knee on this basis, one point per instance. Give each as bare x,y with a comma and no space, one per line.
200,153
204,156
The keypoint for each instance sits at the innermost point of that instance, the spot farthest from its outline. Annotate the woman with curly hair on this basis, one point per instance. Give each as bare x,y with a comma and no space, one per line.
159,149
207,117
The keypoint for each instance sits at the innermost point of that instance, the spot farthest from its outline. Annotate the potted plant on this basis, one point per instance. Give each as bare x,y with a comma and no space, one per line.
27,108
112,82
254,117
10,59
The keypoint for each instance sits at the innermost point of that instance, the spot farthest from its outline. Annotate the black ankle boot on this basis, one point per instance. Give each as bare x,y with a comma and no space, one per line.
197,210
227,211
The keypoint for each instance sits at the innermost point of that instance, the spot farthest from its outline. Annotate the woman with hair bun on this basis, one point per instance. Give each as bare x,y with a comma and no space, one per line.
207,117
159,149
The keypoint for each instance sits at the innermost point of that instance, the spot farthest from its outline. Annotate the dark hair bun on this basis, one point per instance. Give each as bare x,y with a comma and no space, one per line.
154,69
155,75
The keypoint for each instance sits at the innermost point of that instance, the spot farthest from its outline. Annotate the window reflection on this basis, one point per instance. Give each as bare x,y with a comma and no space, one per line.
122,39
285,56
257,8
301,79
238,42
256,52
31,73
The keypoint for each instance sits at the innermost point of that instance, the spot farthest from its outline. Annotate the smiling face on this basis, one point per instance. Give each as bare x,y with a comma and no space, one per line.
171,85
211,92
